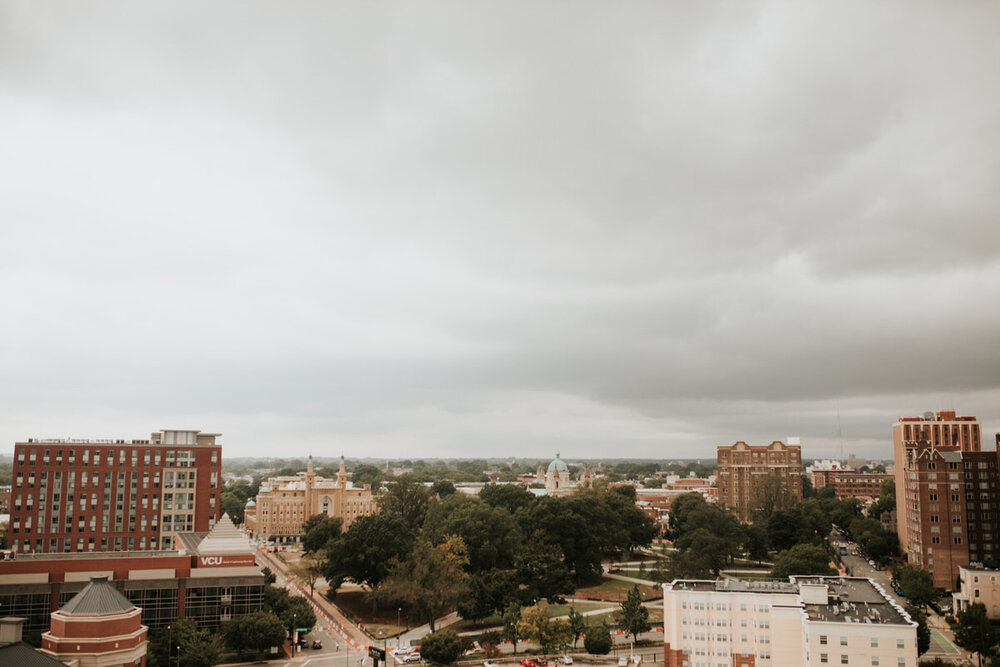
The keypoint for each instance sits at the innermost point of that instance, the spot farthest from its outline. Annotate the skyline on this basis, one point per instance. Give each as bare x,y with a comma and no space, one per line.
451,231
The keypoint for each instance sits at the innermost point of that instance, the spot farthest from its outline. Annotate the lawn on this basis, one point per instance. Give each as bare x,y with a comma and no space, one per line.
357,605
613,590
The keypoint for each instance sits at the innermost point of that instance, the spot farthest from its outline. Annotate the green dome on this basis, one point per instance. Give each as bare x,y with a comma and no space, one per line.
558,465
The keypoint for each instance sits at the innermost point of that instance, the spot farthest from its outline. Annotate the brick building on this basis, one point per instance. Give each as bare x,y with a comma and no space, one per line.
860,485
73,495
211,580
742,468
947,494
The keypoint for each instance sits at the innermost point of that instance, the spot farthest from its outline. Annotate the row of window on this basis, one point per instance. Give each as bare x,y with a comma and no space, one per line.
171,458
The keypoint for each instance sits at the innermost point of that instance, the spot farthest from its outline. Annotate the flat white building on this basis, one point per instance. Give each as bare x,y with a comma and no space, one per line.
804,621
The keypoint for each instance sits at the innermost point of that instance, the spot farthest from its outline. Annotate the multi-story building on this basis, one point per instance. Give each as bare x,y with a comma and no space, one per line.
860,485
72,495
946,494
284,504
978,585
804,621
821,472
211,577
742,469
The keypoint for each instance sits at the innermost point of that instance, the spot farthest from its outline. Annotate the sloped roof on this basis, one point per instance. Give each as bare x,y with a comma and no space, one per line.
24,655
97,597
225,538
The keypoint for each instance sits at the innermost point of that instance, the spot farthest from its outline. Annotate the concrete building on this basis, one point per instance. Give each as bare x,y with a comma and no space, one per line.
804,621
72,495
211,578
978,585
947,494
284,504
742,468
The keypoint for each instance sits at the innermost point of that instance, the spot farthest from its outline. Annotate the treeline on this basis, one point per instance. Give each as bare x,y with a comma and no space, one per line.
432,549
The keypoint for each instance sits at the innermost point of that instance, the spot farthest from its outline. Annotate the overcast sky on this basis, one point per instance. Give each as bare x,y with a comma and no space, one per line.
498,229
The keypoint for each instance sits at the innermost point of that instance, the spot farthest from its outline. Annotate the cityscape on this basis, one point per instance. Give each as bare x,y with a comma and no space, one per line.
499,334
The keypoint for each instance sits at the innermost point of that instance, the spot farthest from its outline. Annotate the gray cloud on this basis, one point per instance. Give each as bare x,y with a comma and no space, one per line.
447,229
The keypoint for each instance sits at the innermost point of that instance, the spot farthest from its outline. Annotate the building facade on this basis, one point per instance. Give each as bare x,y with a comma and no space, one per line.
212,580
860,485
742,469
947,494
978,585
72,495
804,621
284,504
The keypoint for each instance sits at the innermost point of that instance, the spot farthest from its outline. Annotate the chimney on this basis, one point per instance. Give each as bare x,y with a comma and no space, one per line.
10,630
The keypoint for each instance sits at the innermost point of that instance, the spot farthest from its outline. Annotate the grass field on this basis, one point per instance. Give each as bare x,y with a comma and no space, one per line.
613,590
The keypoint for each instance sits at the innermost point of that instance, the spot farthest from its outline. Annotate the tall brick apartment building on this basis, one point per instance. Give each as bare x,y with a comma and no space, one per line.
742,467
74,495
947,494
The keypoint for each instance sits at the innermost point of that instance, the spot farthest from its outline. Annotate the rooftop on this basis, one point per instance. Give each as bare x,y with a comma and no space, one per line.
98,597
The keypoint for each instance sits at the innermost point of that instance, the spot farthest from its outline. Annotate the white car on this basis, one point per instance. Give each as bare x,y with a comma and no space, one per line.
490,663
623,662
413,656
566,660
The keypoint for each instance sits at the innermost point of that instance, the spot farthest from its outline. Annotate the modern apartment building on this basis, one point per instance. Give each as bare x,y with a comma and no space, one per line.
285,503
947,494
742,469
72,495
804,621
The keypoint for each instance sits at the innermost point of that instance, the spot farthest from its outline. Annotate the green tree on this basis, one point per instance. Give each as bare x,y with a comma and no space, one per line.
364,551
923,632
269,577
802,559
916,584
975,633
182,642
491,535
770,494
310,568
431,581
577,624
633,617
202,650
549,633
232,505
597,639
258,631
407,499
443,488
319,530
297,613
539,572
511,497
511,619
441,648
490,641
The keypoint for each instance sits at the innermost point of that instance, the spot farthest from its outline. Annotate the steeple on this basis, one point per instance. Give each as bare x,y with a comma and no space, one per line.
342,474
309,467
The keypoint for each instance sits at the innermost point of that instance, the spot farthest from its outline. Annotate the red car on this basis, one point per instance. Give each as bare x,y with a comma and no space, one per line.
541,662
529,662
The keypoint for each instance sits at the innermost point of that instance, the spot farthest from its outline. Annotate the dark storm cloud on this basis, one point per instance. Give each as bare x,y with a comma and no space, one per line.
447,229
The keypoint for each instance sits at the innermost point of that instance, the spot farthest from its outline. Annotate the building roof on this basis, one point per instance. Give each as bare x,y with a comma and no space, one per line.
98,597
225,538
24,655
558,465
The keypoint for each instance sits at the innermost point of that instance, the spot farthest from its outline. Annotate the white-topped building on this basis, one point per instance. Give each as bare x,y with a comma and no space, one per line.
804,621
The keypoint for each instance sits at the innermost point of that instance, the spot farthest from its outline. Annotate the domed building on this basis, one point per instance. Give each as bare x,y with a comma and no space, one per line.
557,479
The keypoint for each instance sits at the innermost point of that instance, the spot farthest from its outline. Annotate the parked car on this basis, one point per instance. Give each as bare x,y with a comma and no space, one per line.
490,663
529,662
317,644
413,656
566,660
623,661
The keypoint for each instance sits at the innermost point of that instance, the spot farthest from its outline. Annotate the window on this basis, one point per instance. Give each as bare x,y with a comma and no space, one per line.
844,660
843,641
874,643
900,643
824,658
822,640
874,661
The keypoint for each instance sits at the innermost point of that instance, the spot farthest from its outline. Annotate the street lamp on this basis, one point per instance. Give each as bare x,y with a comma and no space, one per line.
399,633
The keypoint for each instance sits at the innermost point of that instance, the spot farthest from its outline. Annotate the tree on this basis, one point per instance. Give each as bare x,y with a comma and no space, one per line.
511,619
298,613
490,641
511,497
310,568
923,632
431,581
802,559
770,494
442,647
443,488
549,633
183,642
975,633
408,499
269,577
633,617
319,530
232,505
202,650
916,584
538,573
755,542
597,639
491,535
364,551
577,624
258,631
